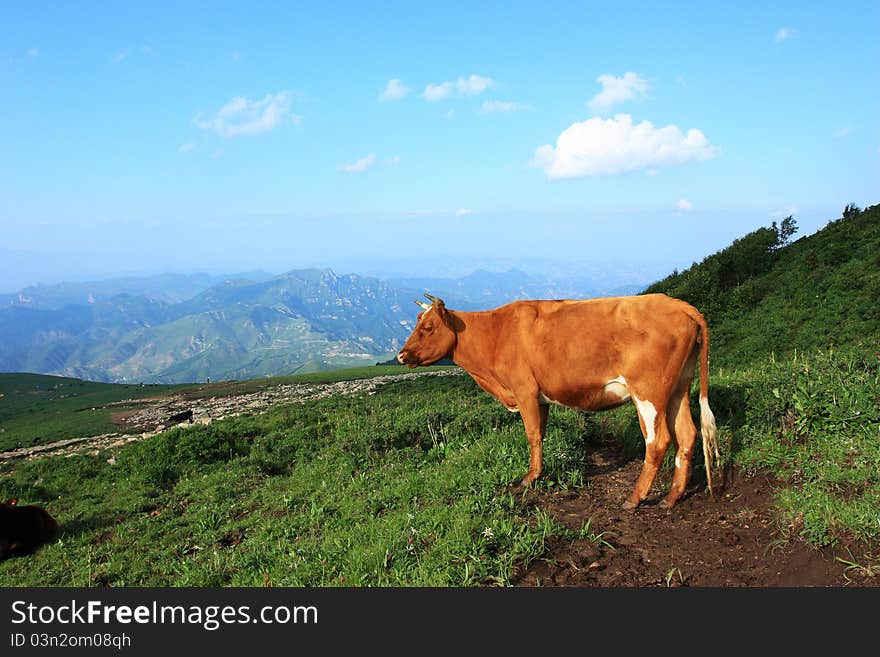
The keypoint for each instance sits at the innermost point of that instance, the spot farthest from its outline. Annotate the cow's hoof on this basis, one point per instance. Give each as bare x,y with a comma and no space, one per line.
666,504
521,486
628,506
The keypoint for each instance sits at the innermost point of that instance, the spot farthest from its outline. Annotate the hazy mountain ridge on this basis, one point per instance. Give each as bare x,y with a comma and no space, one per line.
487,289
168,288
303,320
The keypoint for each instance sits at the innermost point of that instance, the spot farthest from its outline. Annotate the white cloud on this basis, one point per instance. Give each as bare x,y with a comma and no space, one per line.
241,116
236,55
617,90
503,106
119,56
784,33
393,161
360,165
186,147
147,50
394,90
684,205
475,84
608,146
434,92
843,132
463,212
33,52
471,86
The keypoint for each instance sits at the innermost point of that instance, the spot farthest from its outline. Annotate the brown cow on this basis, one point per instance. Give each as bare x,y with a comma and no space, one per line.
24,528
594,355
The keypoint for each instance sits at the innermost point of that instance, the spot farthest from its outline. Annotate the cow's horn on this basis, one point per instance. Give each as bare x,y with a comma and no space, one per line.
422,305
439,302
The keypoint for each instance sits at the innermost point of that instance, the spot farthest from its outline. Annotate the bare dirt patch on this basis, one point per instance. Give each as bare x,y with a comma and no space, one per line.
733,540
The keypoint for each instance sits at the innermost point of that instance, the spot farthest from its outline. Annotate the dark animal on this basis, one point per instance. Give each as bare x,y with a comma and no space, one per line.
24,528
182,416
594,355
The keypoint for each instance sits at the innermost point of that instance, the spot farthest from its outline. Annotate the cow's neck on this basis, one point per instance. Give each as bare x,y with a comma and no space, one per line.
474,341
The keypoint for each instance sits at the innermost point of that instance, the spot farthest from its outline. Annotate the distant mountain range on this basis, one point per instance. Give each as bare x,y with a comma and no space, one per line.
178,328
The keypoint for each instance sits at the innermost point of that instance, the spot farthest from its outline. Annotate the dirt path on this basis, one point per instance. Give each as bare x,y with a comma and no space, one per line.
731,541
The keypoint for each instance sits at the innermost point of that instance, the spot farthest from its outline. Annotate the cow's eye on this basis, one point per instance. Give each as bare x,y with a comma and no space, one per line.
427,329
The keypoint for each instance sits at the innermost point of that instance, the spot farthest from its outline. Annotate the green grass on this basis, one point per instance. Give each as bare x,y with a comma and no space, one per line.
814,421
404,487
409,486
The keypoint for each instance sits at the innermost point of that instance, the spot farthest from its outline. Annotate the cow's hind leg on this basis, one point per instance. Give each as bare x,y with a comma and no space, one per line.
657,439
685,435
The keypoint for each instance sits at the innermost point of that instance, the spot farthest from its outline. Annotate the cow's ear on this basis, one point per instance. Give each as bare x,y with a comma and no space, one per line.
451,321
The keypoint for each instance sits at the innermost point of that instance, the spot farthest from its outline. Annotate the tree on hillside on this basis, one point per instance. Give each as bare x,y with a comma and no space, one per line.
784,231
851,211
747,257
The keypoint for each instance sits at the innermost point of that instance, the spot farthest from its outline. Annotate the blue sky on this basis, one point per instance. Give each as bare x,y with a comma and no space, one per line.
151,136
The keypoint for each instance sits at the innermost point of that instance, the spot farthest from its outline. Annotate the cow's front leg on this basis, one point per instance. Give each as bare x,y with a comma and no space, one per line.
534,417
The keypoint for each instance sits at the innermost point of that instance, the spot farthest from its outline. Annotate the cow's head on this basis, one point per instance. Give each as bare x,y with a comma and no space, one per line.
433,337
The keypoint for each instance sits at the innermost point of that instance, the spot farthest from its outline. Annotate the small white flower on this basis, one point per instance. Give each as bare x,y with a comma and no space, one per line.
488,533
409,516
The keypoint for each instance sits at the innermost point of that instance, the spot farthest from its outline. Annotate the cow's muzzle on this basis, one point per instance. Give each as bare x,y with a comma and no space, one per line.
407,358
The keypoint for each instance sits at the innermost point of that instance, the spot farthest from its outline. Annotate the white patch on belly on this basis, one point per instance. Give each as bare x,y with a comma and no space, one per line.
617,387
512,409
648,414
544,399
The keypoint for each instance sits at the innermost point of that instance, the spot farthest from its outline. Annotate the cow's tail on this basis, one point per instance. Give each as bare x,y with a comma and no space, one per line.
708,430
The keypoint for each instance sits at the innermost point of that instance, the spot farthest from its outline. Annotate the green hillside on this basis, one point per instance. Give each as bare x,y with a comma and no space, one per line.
764,296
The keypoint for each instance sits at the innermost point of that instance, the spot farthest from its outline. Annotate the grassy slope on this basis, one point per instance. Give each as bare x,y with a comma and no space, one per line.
403,487
409,486
819,291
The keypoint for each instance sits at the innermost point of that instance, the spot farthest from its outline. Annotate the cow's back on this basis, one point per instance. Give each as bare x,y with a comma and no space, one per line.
586,343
